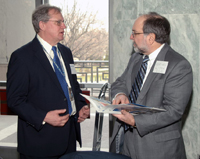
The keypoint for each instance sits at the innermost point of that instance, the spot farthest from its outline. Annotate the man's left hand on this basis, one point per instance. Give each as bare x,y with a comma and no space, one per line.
126,117
84,113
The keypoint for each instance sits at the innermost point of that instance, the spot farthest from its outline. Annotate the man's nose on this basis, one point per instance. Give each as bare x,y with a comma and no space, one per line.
63,25
132,37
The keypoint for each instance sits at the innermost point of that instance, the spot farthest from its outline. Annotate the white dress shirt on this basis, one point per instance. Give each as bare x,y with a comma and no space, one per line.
50,55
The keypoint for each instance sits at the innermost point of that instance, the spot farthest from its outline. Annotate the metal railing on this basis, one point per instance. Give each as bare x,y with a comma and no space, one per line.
92,71
92,75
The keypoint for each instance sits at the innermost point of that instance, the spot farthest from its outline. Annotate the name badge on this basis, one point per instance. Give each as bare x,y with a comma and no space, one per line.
71,96
73,70
160,67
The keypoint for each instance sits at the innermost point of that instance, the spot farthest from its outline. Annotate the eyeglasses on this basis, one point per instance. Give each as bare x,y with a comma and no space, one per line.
58,22
134,34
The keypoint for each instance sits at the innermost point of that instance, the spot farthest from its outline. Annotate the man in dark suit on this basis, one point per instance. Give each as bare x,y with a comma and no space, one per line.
48,117
167,84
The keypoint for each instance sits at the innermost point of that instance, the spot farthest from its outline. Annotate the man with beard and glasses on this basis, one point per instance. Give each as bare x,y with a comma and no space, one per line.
164,81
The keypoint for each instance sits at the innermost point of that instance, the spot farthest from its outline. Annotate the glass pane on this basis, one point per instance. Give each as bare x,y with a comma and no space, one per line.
87,36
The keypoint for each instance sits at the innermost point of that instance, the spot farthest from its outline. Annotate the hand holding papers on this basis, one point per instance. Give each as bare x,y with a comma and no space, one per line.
103,106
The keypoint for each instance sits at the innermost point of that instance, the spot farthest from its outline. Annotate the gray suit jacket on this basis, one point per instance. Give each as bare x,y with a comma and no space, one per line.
157,135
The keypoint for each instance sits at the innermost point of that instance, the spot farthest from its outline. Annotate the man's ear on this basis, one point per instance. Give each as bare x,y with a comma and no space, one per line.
42,25
151,38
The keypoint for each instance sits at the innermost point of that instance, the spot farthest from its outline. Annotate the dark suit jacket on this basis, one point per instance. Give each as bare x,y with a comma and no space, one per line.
32,90
158,135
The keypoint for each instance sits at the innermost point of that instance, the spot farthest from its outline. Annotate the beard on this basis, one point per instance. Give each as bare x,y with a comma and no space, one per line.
139,50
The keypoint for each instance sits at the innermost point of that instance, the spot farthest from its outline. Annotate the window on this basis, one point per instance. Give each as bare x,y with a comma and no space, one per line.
87,37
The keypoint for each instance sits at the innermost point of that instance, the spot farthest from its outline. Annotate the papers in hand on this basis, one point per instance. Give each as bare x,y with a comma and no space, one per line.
103,106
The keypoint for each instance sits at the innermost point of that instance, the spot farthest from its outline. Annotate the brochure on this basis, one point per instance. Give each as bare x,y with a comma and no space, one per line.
104,106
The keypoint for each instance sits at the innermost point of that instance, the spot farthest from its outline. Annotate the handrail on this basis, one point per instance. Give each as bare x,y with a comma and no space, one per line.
90,73
82,85
2,83
91,61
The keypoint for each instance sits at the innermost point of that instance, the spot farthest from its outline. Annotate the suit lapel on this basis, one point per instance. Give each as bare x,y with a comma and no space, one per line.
41,56
151,75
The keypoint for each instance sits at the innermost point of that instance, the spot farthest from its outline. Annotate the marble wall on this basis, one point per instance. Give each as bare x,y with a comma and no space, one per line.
15,30
184,17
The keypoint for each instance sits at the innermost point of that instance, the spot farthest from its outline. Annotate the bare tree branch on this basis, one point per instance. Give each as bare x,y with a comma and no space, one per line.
83,37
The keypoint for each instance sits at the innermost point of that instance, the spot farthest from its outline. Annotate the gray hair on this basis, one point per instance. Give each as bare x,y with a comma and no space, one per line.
41,13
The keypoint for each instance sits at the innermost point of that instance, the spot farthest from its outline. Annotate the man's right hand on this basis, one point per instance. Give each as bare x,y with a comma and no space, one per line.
125,116
53,118
120,99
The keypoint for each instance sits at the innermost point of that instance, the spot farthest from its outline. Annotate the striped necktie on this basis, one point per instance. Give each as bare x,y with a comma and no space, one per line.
136,87
61,77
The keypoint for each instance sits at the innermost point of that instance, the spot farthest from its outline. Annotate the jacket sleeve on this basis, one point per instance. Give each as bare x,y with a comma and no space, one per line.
120,85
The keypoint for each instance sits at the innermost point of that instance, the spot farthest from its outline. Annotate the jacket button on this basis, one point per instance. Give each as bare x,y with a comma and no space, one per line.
65,99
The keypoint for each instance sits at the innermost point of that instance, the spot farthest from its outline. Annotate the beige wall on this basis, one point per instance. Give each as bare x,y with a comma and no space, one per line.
15,29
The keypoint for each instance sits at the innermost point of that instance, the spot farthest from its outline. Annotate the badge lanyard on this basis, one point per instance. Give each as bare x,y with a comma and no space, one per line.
61,70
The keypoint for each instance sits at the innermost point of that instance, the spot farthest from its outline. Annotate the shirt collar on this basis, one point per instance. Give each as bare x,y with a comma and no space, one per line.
45,44
154,54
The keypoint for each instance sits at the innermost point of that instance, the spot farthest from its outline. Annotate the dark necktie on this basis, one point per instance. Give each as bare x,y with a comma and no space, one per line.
61,77
136,87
